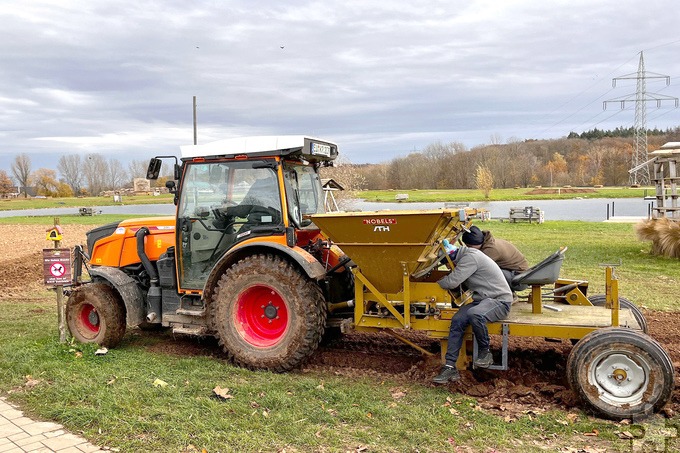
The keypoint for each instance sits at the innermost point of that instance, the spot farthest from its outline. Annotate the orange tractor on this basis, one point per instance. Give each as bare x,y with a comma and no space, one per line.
252,258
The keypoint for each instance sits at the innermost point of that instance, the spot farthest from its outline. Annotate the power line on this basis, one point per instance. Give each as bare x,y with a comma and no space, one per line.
639,172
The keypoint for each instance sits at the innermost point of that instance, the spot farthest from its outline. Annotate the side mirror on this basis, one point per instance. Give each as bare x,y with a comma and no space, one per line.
154,169
178,172
171,186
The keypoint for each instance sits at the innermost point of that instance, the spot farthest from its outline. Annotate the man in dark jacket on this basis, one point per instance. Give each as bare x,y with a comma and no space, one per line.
491,301
504,253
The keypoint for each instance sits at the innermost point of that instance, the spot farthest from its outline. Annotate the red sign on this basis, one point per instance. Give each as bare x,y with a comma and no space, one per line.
57,266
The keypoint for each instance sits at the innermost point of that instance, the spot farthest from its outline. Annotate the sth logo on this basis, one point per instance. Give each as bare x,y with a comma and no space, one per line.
381,228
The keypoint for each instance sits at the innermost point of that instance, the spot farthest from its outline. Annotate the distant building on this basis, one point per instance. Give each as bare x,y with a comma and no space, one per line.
141,185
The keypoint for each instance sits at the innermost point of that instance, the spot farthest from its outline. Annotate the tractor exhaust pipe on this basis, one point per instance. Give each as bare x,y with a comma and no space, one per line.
153,296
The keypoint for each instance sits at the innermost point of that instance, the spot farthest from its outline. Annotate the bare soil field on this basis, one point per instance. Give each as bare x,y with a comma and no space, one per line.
536,380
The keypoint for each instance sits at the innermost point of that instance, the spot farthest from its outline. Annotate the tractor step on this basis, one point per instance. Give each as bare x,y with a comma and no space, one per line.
188,312
190,330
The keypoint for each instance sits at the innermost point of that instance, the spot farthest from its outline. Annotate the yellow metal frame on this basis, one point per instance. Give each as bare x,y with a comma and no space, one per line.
439,302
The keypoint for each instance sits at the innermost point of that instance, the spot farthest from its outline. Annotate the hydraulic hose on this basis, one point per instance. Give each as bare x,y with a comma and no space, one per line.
148,266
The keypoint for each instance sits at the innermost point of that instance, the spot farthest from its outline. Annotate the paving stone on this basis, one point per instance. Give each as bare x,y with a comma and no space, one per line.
21,421
18,436
88,448
9,430
65,441
71,450
41,450
35,446
11,414
30,440
40,427
9,447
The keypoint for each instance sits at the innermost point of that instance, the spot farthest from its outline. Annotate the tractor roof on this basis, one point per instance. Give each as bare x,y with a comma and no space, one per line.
310,148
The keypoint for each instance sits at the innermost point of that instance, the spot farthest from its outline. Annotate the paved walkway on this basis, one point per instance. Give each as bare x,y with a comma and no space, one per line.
19,434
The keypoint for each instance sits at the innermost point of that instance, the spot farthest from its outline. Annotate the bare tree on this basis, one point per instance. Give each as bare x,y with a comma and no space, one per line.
70,168
95,170
137,168
21,169
116,176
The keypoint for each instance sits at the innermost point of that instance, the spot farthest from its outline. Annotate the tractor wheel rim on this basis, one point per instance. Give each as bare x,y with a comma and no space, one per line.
619,378
261,315
89,319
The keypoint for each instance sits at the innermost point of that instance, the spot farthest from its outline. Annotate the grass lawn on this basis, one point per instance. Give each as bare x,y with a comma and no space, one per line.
79,202
135,399
462,195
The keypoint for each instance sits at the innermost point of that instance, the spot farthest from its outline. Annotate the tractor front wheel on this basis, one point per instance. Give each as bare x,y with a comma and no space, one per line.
620,373
267,314
95,314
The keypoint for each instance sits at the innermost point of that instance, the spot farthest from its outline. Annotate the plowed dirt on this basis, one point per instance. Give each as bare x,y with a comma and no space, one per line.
536,379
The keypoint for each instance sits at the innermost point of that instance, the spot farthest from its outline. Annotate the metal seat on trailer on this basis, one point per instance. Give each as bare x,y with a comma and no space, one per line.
543,273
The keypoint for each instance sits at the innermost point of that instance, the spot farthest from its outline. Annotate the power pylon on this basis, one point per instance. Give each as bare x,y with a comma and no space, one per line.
639,168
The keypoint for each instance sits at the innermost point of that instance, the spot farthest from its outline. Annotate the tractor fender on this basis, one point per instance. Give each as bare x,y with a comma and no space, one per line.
305,261
129,291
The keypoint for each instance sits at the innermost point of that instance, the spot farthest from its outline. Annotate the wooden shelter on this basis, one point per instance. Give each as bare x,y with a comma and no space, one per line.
665,176
329,186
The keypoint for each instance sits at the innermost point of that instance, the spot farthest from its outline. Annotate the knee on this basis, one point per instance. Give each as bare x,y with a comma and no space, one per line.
459,323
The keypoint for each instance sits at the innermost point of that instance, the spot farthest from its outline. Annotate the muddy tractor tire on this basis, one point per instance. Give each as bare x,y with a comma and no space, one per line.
620,373
267,314
95,314
600,300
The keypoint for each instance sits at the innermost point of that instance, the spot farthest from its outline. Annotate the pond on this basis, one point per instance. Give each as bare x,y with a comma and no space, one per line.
587,209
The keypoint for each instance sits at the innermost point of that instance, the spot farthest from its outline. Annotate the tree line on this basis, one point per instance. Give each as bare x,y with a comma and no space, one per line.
517,163
79,175
602,160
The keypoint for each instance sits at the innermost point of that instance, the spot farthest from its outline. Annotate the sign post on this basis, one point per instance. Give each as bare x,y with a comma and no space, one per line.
57,272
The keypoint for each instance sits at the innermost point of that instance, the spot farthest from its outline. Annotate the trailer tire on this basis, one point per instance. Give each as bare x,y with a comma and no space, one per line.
620,373
95,314
267,314
600,300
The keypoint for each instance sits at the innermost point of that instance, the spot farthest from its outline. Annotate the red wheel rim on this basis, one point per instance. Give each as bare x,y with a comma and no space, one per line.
89,319
261,315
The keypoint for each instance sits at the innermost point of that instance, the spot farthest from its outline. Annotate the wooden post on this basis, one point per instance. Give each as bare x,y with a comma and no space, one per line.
61,307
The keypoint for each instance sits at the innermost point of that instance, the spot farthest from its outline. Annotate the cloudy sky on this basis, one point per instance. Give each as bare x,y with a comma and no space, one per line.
380,78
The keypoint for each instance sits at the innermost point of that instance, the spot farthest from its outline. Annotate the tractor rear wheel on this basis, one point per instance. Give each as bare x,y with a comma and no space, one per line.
600,300
620,373
95,314
267,314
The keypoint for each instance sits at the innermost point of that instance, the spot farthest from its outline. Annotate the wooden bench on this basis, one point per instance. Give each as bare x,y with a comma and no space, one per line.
527,213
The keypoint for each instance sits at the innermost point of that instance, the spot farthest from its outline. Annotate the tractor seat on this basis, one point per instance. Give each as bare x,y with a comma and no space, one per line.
545,272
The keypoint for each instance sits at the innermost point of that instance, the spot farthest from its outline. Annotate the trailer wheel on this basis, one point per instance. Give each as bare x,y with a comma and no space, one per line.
620,373
600,300
95,314
267,314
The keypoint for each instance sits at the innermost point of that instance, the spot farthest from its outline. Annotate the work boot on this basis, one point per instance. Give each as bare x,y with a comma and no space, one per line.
448,373
484,359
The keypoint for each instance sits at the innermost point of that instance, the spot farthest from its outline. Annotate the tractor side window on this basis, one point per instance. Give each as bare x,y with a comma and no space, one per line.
303,191
221,204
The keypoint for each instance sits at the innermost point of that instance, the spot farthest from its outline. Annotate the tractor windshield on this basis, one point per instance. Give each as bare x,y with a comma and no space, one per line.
222,203
303,191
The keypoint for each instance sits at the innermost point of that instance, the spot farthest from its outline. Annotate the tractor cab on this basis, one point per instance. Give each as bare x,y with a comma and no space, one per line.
242,191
